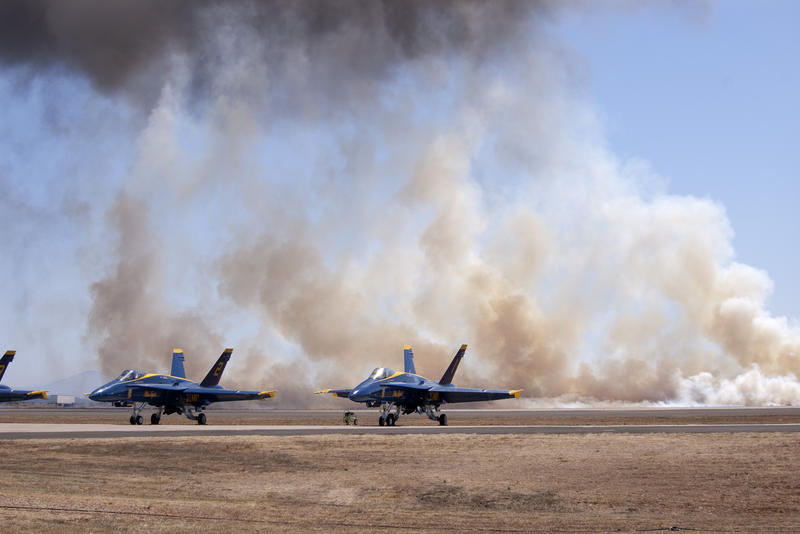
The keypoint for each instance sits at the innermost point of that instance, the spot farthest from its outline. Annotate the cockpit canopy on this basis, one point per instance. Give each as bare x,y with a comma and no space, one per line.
381,373
130,374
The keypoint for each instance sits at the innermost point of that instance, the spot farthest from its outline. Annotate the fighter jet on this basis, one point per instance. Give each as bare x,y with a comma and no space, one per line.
406,392
9,395
171,393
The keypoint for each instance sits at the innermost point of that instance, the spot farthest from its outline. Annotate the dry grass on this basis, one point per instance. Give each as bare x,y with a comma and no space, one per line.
496,483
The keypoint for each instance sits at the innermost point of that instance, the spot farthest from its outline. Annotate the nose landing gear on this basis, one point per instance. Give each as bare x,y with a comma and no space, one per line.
136,417
387,417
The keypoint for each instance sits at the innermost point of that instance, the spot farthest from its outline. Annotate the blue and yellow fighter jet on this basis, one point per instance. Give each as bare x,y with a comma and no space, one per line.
407,392
172,393
9,395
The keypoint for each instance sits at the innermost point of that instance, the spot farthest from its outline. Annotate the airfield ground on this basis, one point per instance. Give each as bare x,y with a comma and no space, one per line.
404,483
230,414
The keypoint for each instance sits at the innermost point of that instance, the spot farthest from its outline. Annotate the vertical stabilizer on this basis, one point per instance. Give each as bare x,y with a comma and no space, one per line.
408,359
213,376
177,364
8,357
447,378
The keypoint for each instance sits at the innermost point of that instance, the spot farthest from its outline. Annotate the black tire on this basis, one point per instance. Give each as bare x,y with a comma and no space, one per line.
355,421
133,420
139,420
381,421
390,419
201,419
443,420
155,419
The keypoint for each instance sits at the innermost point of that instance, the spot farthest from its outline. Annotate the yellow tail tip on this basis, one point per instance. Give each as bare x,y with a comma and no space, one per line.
177,351
10,352
464,347
270,393
406,347
515,392
228,351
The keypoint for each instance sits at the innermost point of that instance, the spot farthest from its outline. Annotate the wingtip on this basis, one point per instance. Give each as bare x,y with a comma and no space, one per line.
270,393
43,393
515,392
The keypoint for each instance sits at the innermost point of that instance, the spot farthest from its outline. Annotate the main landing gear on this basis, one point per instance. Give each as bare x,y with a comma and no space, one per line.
435,414
390,413
156,417
195,414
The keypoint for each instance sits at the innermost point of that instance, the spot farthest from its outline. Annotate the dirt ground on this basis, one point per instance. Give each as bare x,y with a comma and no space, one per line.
434,483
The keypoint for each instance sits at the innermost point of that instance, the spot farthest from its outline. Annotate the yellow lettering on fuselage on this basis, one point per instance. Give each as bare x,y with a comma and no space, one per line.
150,394
192,397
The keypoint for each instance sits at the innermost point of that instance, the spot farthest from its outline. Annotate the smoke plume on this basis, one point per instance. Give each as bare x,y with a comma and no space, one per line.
319,183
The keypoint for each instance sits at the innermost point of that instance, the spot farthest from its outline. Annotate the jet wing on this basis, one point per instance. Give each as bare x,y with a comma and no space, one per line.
156,393
157,387
189,394
12,395
207,395
455,394
406,386
335,392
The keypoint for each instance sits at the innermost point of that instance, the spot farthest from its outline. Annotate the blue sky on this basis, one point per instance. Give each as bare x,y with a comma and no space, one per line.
710,99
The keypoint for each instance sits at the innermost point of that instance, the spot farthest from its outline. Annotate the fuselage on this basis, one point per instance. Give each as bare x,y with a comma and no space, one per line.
374,391
119,390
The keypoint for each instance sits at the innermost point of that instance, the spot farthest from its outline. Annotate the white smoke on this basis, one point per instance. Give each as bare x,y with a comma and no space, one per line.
459,193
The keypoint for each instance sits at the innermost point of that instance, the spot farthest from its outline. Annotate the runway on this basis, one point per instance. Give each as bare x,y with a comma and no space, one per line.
95,431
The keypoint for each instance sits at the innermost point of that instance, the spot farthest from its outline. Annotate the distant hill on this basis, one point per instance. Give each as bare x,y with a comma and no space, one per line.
77,385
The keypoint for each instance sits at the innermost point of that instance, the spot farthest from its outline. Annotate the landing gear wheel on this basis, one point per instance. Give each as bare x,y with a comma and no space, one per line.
390,419
443,420
201,419
139,420
133,420
155,419
381,421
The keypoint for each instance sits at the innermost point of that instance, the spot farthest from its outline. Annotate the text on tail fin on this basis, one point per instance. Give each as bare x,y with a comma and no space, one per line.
213,376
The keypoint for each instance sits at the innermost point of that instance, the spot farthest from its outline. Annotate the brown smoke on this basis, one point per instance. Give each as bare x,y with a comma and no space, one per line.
137,327
383,173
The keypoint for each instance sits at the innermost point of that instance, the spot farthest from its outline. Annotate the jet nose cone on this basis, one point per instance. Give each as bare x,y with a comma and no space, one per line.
355,395
96,394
